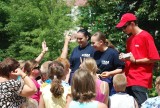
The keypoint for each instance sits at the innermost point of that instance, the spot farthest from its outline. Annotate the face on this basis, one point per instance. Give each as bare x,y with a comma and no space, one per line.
95,43
127,28
81,39
35,72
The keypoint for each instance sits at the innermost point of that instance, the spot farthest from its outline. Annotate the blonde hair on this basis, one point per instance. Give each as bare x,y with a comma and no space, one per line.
45,66
119,82
90,65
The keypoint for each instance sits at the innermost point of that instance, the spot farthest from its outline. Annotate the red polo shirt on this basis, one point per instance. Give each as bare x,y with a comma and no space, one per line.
141,46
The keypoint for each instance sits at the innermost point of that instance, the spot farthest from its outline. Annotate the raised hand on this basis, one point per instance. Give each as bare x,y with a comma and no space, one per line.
44,46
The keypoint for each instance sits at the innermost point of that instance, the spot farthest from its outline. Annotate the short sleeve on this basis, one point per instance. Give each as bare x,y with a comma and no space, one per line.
19,84
118,64
152,50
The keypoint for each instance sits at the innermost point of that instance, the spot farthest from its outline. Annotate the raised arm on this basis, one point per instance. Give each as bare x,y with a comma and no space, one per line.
29,87
65,47
44,50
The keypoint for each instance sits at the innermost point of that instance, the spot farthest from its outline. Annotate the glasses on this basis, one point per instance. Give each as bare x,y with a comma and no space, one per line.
126,25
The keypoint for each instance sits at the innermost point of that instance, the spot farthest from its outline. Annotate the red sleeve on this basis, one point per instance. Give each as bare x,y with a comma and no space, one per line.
152,50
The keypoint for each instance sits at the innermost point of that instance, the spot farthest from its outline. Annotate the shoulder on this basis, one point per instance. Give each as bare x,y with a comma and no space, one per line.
76,48
145,35
112,52
101,105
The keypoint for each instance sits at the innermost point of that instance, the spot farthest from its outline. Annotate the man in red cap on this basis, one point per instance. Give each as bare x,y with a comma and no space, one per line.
143,54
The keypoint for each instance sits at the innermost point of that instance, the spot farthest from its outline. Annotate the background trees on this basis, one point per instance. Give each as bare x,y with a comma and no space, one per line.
24,24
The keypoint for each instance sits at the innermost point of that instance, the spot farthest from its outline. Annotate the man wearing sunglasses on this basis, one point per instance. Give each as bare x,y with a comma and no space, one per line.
143,54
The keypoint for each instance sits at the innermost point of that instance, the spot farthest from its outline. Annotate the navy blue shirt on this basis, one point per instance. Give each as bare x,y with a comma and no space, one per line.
78,52
108,61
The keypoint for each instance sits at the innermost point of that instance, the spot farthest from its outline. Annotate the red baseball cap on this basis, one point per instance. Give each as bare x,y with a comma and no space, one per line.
125,18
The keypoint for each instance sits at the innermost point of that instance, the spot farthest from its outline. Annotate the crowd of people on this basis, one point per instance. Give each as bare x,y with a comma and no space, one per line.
96,75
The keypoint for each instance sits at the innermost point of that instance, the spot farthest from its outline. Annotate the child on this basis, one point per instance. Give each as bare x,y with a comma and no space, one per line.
54,94
102,88
83,91
121,99
153,102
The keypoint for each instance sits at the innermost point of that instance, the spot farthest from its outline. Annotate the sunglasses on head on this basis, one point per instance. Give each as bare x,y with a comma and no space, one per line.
37,67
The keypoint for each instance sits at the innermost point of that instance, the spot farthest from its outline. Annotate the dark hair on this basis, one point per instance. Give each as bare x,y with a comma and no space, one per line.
83,86
86,33
8,65
102,37
30,65
56,87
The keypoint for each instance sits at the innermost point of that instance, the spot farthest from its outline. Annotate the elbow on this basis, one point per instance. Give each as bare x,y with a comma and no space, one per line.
32,91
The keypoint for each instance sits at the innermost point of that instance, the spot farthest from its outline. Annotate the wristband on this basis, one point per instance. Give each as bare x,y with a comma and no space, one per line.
24,76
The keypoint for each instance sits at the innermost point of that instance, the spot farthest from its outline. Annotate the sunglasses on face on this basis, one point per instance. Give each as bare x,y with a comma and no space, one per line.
126,25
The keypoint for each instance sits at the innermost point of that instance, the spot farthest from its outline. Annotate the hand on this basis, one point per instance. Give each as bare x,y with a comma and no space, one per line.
105,74
121,56
131,58
67,38
18,72
44,46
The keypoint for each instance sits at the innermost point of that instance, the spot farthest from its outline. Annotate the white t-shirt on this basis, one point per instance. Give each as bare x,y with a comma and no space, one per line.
121,100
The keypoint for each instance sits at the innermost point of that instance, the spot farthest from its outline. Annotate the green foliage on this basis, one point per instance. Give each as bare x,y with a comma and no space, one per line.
27,23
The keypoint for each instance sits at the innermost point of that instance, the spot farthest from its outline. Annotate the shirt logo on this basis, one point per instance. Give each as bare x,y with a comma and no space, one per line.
136,45
85,55
105,62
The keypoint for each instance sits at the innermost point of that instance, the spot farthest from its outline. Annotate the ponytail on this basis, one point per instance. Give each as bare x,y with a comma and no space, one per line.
109,44
56,88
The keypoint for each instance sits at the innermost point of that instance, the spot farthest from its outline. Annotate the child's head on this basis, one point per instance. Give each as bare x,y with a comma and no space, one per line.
56,71
44,70
65,63
83,86
119,82
31,67
90,65
157,84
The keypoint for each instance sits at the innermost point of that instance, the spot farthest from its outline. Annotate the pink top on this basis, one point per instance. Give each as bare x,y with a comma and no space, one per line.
37,95
99,95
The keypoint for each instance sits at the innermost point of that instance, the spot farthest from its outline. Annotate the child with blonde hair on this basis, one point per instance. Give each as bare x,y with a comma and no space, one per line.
121,99
102,88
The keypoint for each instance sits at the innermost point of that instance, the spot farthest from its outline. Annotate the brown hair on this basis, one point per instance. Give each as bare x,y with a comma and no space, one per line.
90,65
157,83
8,65
83,86
29,66
57,71
102,37
119,82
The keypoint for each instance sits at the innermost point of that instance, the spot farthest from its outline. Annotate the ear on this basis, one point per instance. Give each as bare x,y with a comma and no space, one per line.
87,37
133,23
101,42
